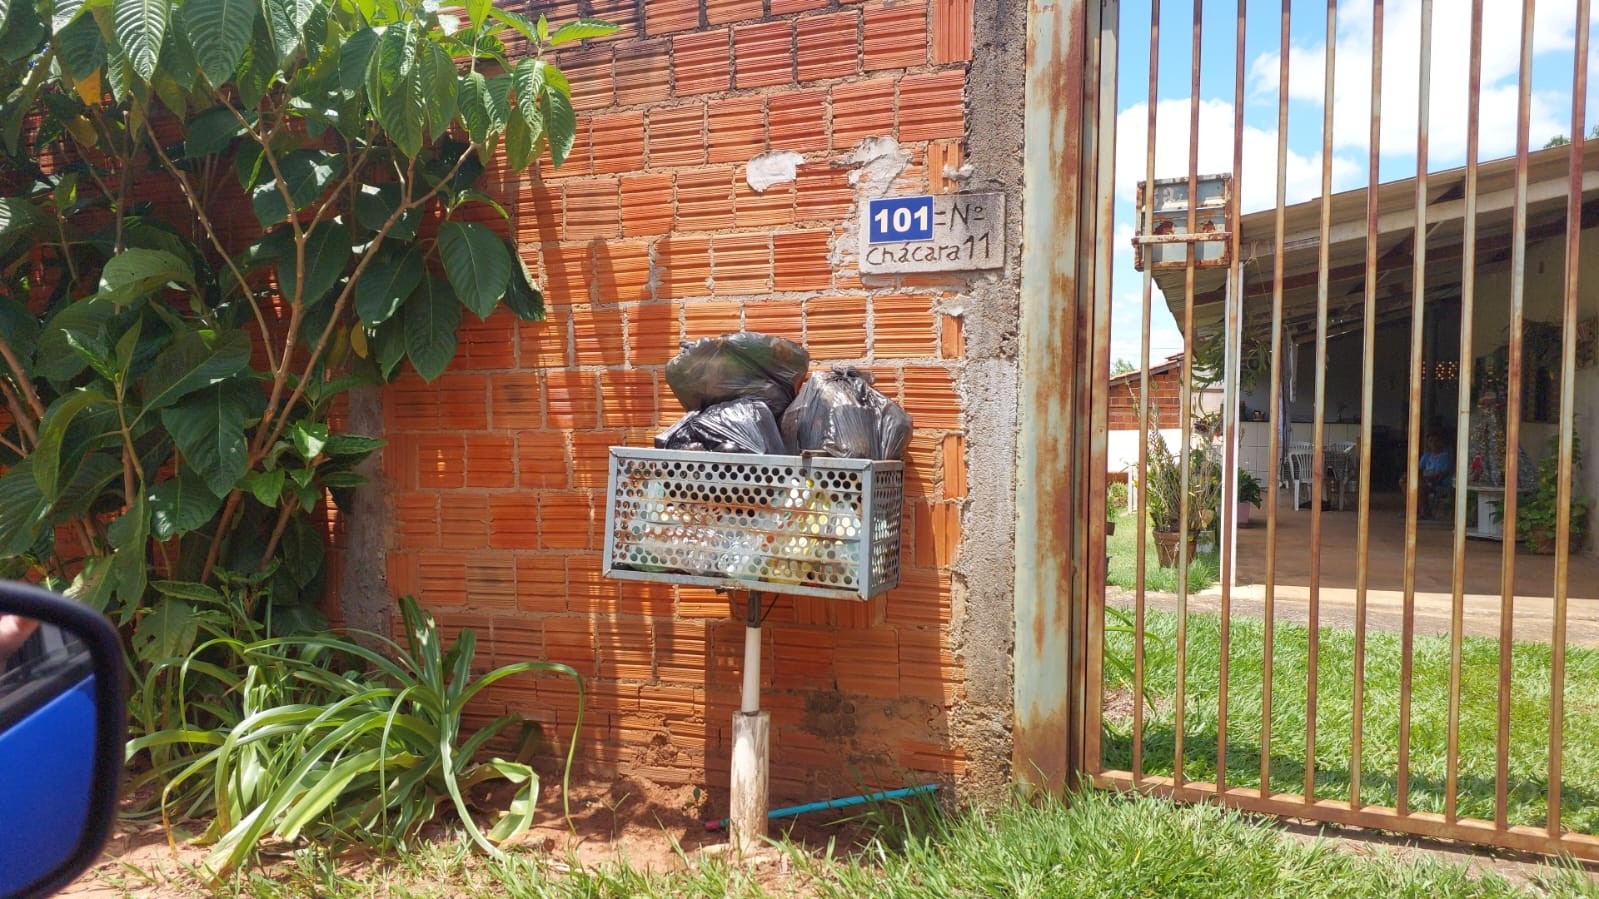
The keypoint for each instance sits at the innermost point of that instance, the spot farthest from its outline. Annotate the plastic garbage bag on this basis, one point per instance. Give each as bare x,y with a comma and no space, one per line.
715,370
740,426
839,412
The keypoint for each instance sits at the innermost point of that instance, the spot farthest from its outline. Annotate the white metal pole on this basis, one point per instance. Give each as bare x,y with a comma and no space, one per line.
752,727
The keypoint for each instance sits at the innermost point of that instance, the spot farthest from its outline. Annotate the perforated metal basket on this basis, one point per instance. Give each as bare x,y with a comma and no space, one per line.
786,524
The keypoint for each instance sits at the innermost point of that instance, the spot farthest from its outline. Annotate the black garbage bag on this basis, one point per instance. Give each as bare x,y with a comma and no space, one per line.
715,370
838,412
740,426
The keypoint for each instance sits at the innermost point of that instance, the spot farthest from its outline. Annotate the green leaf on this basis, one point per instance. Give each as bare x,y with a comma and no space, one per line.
477,11
303,550
265,486
581,29
208,427
23,509
560,122
439,82
134,273
79,321
517,23
189,590
140,26
343,479
327,255
345,446
65,12
53,432
528,79
219,31
309,438
193,361
355,55
476,107
432,318
521,297
83,48
387,281
17,216
307,173
128,534
179,505
396,86
477,264
374,203
518,143
24,34
286,23
166,631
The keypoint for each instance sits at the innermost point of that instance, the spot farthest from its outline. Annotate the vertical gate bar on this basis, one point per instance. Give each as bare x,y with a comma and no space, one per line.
1278,420
1103,62
1318,476
1142,522
1468,295
1518,274
1568,367
1418,325
1367,380
1184,533
1235,302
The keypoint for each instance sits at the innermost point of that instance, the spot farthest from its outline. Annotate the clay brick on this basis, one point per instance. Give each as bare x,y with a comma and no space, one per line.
784,7
710,319
516,401
937,535
686,262
543,344
867,662
930,106
643,74
597,335
903,326
763,211
822,194
797,121
952,31
400,570
570,396
565,274
411,405
742,264
666,16
439,459
541,583
590,74
593,209
627,399
579,162
569,641
835,327
491,583
704,200
952,336
677,136
932,757
828,45
943,156
399,461
646,204
462,401
541,460
566,520
416,520
591,457
921,464
922,598
763,54
487,345
804,657
930,398
801,260
540,210
718,12
513,521
625,649
622,272
653,333
681,649
490,461
954,463
782,318
864,109
439,576
736,129
618,143
702,63
701,603
896,34
624,14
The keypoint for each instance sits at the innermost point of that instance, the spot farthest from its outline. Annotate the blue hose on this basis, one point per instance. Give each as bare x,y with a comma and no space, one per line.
845,802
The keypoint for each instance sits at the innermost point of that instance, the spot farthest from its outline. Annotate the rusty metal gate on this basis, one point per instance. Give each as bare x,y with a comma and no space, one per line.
1401,355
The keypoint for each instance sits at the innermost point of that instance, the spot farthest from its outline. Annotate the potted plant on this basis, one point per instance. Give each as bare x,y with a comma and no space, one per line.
1248,495
1538,511
1164,494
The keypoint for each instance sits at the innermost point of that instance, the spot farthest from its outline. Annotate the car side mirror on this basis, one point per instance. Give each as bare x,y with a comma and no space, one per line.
62,731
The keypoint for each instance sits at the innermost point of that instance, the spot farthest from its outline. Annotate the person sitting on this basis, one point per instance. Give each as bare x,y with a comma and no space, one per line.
1436,475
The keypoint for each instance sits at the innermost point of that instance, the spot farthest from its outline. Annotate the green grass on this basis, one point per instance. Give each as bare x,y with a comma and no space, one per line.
1100,845
1122,548
1530,691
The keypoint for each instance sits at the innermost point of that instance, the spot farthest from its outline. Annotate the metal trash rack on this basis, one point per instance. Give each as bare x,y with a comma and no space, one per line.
803,525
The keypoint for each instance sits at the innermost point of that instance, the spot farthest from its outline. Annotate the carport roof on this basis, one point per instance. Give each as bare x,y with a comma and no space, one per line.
1547,184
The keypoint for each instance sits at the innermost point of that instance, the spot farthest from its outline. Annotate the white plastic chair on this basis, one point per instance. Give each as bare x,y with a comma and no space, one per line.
1301,473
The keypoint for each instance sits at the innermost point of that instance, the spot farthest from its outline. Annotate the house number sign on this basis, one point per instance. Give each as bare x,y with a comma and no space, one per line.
937,233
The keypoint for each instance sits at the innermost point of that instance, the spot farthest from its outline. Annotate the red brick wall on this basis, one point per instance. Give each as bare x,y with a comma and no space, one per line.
1165,399
647,236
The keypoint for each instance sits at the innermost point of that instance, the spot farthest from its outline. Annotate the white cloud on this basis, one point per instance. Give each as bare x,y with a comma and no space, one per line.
1550,112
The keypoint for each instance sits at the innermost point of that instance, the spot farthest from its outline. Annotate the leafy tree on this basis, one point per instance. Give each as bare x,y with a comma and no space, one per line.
216,217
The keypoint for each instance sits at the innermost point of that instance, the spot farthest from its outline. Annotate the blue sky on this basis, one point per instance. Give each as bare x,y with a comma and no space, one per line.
1553,42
